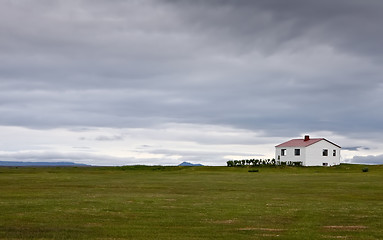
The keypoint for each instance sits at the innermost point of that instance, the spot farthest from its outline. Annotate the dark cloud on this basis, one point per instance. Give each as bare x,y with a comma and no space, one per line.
355,148
271,26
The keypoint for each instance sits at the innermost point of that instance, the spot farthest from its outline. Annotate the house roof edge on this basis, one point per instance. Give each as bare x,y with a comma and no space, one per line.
301,143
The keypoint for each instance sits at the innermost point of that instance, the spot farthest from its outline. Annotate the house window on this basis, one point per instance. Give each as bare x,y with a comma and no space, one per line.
334,153
297,152
283,152
325,152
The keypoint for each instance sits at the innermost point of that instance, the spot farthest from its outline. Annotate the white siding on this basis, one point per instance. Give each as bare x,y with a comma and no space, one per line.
314,154
290,154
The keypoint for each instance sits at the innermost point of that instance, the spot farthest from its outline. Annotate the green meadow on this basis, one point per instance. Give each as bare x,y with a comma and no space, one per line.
140,202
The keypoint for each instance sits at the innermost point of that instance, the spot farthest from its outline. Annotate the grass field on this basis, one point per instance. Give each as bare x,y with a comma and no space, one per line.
191,203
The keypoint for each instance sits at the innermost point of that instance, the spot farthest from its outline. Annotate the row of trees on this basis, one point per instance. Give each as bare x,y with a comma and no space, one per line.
251,162
259,162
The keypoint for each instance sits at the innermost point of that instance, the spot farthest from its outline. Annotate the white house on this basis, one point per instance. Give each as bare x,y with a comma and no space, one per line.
308,152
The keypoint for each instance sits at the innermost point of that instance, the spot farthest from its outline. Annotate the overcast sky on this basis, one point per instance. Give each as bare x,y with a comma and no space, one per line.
113,82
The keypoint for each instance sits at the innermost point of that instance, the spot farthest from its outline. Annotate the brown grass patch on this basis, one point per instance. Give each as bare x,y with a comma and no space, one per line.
335,237
228,221
349,228
170,199
262,229
270,235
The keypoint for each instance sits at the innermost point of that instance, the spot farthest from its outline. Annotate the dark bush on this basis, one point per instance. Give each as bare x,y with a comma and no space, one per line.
253,170
365,169
230,163
298,164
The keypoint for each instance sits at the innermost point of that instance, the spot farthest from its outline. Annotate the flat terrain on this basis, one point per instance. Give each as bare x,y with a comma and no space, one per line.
191,203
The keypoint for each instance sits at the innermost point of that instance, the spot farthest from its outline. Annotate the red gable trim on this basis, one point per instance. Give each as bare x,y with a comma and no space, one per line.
302,142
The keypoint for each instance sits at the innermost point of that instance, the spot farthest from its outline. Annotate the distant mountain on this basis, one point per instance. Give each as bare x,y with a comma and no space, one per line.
41,164
190,164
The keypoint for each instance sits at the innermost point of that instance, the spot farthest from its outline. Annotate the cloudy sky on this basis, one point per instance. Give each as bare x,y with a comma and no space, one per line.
120,82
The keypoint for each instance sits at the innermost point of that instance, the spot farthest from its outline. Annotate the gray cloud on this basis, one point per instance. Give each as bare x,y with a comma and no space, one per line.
281,68
110,138
274,25
355,148
371,159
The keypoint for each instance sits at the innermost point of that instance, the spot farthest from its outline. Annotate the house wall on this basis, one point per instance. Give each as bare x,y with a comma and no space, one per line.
290,154
311,155
314,154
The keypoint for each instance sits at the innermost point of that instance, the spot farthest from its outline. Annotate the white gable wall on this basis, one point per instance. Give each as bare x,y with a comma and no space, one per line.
314,154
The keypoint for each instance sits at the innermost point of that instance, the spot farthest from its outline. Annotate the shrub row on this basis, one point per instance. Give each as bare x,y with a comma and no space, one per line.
260,162
251,162
291,163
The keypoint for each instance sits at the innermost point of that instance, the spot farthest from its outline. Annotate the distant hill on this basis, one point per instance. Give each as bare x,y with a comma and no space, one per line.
190,164
40,164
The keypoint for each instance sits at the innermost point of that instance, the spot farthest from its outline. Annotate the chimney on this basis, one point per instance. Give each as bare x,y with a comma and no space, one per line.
307,137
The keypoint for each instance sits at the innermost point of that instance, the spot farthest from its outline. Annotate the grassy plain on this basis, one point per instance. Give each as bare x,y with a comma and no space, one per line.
191,203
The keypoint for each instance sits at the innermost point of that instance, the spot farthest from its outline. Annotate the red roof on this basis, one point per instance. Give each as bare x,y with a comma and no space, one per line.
302,142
